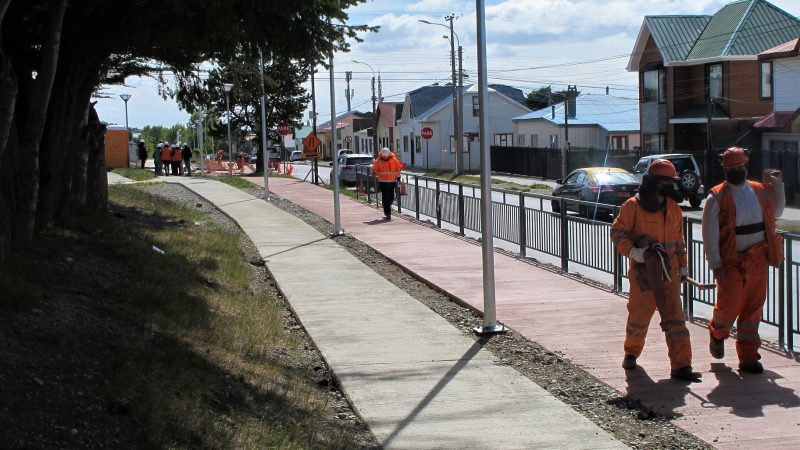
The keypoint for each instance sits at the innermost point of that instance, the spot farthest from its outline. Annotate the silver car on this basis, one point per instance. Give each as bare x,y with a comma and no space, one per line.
349,164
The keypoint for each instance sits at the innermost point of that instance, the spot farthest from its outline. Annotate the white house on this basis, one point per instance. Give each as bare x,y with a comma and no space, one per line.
595,121
780,69
432,107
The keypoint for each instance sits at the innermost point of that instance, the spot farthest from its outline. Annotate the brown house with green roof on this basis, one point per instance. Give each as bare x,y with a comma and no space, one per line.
696,70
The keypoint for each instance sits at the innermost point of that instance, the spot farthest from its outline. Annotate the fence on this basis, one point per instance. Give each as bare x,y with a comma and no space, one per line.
527,220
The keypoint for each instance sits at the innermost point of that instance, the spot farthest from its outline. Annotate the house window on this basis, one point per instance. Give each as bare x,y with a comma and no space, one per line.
553,141
619,142
405,143
521,140
503,139
655,142
534,140
653,86
476,107
412,143
715,82
766,80
419,144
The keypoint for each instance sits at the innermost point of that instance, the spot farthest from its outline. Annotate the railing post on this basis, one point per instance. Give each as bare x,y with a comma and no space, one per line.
781,306
399,196
564,237
416,195
368,187
617,265
789,291
523,228
438,207
461,209
688,288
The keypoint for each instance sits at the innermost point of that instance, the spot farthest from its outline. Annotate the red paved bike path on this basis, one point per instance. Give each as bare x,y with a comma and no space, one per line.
586,325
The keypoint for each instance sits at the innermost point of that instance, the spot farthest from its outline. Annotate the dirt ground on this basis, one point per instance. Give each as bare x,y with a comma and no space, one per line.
624,417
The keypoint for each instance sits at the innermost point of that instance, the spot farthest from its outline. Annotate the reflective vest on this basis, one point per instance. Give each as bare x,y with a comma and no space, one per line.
634,221
165,155
727,222
177,157
388,169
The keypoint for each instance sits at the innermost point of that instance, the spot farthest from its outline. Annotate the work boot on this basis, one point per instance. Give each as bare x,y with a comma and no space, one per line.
629,363
685,373
716,347
751,367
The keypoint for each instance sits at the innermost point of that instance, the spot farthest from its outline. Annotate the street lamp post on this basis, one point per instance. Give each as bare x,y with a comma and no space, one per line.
374,115
228,87
457,115
125,98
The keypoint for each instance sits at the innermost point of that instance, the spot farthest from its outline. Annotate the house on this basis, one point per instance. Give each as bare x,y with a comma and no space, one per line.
388,114
351,129
432,107
699,70
595,121
781,66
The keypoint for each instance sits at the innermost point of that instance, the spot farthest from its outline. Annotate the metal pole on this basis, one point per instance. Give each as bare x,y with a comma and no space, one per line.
337,224
315,168
265,156
230,141
200,130
374,120
458,168
490,323
564,164
460,123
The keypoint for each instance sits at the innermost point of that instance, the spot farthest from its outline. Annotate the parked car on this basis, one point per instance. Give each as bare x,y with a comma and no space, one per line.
296,155
606,187
349,164
689,183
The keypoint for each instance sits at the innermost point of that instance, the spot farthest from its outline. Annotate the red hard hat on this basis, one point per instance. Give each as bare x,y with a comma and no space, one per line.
734,157
662,168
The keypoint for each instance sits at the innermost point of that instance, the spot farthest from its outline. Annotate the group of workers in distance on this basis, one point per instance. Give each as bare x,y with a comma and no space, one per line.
740,241
174,159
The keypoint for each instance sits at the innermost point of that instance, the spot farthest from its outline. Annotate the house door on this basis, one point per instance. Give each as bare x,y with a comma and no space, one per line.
413,149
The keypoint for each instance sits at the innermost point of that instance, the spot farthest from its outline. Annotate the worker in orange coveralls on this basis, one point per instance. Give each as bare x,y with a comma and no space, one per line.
650,225
740,242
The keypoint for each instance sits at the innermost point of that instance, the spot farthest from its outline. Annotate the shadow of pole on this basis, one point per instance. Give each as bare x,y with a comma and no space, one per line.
451,373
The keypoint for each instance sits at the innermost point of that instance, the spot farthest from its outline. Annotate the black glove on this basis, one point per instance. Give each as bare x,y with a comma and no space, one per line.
398,179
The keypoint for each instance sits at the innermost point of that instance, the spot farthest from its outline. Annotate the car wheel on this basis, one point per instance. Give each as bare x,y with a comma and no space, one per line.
695,201
555,206
687,181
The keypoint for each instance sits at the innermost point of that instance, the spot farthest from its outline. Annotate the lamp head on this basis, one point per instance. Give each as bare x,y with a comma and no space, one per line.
227,87
125,97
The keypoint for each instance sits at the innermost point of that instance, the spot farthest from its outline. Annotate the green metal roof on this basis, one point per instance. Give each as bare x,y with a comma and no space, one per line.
675,35
746,27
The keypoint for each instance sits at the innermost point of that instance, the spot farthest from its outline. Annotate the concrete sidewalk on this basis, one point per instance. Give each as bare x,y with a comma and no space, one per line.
727,410
416,380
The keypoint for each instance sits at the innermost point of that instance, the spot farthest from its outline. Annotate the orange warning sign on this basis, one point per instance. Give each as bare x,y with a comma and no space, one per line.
310,145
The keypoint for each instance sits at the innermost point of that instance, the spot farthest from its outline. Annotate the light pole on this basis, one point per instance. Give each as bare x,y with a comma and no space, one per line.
228,87
374,115
457,131
125,98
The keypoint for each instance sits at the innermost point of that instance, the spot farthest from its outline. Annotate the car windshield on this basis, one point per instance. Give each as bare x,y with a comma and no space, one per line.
614,178
358,160
682,164
641,167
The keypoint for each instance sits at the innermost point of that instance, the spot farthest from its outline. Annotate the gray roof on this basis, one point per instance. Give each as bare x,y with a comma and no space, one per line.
675,35
611,113
510,92
426,97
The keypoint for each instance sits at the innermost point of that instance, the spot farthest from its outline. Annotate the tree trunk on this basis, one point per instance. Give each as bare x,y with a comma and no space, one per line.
96,179
34,127
8,99
3,8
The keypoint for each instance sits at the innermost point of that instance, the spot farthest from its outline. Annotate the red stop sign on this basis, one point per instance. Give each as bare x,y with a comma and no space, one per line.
427,133
284,128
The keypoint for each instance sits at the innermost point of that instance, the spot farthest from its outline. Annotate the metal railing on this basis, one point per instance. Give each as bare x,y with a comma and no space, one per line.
525,220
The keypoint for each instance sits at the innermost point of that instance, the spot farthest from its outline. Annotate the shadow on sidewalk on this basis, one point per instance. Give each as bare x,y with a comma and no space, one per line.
669,394
460,364
294,248
747,394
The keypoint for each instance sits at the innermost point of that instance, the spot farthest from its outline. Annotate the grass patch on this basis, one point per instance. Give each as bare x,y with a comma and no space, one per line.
237,182
196,358
502,184
135,174
790,226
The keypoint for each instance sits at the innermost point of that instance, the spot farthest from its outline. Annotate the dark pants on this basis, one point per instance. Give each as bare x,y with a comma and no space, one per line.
142,161
387,196
176,168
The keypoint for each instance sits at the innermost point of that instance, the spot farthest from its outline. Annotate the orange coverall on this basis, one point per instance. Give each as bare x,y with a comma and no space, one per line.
666,228
743,290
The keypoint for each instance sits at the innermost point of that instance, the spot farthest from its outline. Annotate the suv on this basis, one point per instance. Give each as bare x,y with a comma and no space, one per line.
689,184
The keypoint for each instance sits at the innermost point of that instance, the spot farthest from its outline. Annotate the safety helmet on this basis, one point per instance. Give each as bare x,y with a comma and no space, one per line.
734,157
385,152
662,168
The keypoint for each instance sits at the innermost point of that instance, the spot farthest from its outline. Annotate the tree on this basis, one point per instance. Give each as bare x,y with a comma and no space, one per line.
544,97
54,54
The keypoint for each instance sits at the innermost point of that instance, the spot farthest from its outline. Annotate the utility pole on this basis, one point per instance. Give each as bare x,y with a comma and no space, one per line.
571,96
314,123
348,93
374,121
460,123
707,164
457,142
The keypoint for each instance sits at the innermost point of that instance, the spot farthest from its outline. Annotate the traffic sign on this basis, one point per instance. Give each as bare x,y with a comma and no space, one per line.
348,139
427,133
284,128
310,145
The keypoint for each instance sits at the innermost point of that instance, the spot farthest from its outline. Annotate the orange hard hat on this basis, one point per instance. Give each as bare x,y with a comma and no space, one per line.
662,168
734,157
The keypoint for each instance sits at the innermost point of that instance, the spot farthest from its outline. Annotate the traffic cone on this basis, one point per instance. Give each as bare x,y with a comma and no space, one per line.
289,169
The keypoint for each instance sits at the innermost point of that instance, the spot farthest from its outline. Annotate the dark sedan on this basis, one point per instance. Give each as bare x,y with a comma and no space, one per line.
602,186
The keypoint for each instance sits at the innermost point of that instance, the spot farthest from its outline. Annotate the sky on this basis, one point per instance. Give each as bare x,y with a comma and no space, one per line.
530,44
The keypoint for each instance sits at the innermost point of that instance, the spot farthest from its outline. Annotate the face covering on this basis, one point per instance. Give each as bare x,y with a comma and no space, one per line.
736,176
668,191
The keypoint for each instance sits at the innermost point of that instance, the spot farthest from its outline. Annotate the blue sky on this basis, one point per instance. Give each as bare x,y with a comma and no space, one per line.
530,43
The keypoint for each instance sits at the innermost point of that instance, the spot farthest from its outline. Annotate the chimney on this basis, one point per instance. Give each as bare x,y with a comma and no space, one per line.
553,111
572,94
606,90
